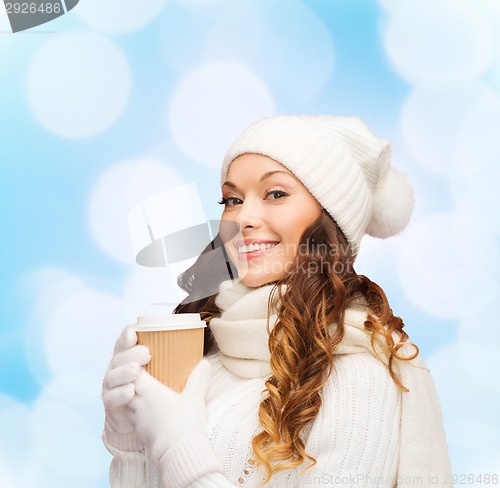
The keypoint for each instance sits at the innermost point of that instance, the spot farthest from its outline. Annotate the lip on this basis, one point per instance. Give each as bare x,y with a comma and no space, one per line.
254,254
246,242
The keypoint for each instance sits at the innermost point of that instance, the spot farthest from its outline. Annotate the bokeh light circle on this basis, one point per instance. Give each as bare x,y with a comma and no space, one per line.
297,55
438,40
6,478
211,105
438,268
462,398
478,355
78,84
119,16
474,184
49,287
476,206
478,151
81,333
430,122
65,441
15,435
389,4
118,190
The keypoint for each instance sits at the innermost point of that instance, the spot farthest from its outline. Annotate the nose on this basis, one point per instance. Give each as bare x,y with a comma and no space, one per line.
249,215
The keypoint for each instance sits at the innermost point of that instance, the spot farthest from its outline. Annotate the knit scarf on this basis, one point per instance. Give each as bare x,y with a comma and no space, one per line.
241,333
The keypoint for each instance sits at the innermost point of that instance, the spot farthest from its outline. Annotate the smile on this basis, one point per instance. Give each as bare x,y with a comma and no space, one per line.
256,247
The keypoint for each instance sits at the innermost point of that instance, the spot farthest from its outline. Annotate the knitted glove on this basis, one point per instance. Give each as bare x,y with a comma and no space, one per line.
173,426
118,389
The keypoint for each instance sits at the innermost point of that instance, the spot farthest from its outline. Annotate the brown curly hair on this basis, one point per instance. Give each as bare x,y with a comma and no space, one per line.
309,327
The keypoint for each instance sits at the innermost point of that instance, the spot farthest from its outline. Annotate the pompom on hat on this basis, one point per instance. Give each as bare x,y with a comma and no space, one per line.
342,163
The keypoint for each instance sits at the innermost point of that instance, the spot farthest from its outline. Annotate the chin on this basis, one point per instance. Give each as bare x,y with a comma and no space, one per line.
256,281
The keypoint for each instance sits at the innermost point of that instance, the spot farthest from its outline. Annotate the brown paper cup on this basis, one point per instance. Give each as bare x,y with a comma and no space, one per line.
176,345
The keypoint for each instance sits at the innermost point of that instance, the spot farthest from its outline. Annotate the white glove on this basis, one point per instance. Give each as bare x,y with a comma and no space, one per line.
173,426
118,389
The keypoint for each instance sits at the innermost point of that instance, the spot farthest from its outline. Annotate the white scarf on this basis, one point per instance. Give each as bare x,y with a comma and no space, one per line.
242,335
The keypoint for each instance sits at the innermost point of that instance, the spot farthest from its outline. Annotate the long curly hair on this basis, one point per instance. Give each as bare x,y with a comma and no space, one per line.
310,326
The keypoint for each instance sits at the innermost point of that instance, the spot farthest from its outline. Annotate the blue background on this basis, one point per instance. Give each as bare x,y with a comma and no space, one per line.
112,103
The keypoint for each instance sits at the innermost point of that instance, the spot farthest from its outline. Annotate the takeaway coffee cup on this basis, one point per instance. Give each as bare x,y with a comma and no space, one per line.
176,345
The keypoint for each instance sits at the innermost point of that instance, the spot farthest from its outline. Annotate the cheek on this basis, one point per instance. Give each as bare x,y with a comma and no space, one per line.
228,229
290,244
294,230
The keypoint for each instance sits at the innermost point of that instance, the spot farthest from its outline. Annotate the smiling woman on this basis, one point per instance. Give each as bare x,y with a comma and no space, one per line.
272,208
308,375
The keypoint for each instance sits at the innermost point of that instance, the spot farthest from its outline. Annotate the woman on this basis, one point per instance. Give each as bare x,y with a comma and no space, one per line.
309,378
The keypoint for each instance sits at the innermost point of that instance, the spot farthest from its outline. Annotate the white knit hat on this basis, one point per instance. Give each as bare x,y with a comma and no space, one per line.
342,163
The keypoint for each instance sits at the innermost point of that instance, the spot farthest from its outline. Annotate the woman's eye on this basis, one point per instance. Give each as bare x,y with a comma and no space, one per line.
276,194
230,201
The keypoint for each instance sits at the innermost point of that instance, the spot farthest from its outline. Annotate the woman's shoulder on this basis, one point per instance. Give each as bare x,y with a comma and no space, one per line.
359,399
360,374
363,362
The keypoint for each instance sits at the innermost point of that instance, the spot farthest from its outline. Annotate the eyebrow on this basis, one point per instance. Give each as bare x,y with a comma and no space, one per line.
263,177
270,173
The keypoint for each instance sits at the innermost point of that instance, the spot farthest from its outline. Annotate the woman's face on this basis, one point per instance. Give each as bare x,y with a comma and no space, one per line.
272,209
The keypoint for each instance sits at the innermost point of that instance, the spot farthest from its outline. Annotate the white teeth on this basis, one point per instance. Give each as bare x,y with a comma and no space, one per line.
255,247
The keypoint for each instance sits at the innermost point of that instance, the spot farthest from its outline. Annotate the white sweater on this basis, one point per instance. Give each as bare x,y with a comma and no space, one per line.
366,434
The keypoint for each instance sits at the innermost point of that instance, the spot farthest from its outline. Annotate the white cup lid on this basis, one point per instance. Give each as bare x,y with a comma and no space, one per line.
179,321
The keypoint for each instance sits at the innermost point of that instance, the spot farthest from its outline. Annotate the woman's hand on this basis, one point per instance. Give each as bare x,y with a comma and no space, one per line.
162,417
173,426
118,390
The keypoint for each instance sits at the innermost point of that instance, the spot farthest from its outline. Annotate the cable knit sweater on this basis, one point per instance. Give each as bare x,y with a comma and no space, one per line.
366,434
